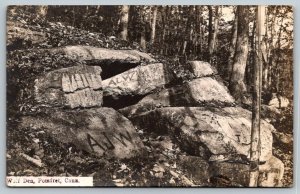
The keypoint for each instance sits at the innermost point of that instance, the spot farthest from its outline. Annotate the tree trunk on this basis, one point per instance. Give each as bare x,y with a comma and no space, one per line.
237,85
198,31
212,44
232,47
210,28
202,36
256,106
143,39
124,22
266,48
278,54
153,25
188,30
251,62
163,34
177,29
143,29
265,76
271,48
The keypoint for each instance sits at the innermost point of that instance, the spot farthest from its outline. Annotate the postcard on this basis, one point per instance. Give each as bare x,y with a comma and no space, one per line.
149,96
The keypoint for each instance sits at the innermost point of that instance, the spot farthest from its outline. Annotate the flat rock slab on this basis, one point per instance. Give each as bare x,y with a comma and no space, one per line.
78,86
198,92
86,53
137,81
101,131
208,131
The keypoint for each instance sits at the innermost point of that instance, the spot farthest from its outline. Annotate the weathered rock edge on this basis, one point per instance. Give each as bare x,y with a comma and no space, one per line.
100,131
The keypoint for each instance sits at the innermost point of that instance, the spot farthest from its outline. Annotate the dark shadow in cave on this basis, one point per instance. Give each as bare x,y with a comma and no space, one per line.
112,68
122,101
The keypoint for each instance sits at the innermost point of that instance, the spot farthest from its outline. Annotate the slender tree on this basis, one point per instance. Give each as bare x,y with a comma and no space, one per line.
124,22
198,26
256,106
272,12
210,27
232,47
278,49
178,29
153,25
188,29
168,29
237,85
251,59
143,28
163,23
265,50
212,43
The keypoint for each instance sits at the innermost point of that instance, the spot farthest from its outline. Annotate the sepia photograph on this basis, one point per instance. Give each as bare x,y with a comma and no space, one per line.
149,96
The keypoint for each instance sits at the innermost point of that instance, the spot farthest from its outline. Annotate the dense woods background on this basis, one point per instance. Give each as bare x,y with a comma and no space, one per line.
222,35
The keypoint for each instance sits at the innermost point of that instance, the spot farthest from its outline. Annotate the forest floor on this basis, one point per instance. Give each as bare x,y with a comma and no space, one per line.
157,169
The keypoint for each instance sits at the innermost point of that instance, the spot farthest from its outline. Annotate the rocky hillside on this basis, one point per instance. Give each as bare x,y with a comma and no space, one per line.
83,104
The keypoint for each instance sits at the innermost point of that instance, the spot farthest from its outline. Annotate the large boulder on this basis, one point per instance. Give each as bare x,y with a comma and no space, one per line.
137,81
111,61
78,86
86,53
208,131
198,92
101,131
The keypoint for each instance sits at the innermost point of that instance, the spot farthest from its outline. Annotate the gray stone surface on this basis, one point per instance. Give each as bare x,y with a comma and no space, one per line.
78,86
101,131
206,131
200,68
86,53
199,92
137,81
